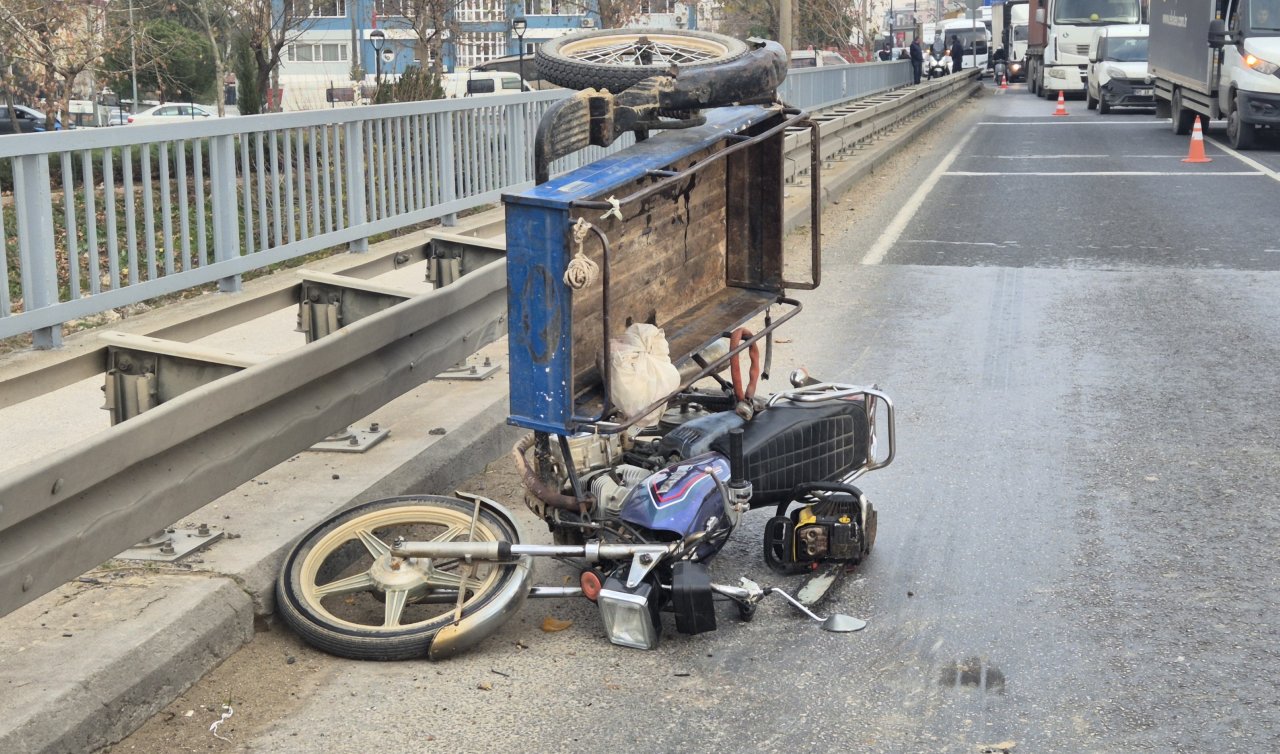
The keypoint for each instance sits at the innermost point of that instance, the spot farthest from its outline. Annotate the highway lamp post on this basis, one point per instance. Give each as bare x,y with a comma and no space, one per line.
377,38
519,25
133,62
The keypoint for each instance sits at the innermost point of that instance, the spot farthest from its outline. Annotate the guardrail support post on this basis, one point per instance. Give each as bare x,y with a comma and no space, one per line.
447,177
357,191
226,211
37,254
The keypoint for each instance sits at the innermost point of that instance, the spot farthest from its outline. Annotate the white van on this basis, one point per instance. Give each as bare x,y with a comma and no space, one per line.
481,83
974,37
816,58
1118,74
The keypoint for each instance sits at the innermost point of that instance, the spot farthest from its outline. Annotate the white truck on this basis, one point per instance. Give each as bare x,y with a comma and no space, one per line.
1218,58
1009,31
1060,34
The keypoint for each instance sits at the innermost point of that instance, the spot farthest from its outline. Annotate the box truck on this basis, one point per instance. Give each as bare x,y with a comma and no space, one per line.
1009,31
1060,34
1220,59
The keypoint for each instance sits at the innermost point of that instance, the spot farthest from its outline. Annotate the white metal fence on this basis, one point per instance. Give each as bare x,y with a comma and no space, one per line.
96,219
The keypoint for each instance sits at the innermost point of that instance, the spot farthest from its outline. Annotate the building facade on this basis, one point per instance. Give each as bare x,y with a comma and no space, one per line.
333,42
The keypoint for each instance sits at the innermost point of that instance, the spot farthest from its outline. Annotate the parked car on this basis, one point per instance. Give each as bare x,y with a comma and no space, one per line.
169,112
29,121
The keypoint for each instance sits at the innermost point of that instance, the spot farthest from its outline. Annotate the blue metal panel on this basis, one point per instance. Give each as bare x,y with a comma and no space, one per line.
539,305
603,176
538,311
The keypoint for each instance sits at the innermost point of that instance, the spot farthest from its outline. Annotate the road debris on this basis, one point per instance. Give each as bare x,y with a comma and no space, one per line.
227,712
552,625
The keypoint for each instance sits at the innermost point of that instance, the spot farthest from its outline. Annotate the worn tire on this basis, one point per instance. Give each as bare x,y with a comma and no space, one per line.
558,60
1104,107
309,562
1182,119
1241,136
1089,101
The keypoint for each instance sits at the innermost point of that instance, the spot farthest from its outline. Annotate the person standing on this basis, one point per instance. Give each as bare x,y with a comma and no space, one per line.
917,61
957,54
887,52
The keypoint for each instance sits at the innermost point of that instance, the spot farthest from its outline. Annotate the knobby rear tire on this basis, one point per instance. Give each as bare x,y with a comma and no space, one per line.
561,62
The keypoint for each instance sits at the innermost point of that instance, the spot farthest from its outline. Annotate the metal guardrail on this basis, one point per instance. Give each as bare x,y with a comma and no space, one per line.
104,218
69,512
819,88
65,514
844,127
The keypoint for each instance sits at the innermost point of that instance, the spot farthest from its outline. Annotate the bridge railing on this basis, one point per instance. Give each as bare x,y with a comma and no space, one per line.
95,219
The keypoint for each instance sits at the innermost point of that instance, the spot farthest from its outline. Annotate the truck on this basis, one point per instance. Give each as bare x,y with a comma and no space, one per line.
1060,32
1220,59
973,36
1009,31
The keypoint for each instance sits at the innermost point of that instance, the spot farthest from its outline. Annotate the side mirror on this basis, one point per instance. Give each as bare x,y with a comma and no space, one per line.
1217,33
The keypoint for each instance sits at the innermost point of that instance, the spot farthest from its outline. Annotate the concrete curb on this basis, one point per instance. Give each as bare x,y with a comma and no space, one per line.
96,661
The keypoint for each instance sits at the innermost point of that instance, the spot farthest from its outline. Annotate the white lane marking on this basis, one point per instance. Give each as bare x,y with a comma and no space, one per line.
1064,156
1246,160
1066,123
993,244
1117,173
891,233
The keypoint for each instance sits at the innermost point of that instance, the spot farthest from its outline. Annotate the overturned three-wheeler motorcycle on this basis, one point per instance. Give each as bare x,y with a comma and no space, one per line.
632,282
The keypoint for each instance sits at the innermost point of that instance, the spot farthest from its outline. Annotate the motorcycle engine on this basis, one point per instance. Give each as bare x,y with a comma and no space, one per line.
611,487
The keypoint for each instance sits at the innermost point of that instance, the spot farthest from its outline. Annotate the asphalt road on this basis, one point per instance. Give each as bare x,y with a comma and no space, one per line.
1076,543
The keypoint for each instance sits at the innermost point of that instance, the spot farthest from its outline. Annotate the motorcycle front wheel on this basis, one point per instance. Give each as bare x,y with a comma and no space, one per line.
343,593
617,59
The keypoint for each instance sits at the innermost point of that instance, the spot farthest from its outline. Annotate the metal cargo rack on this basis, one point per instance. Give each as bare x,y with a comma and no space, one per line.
686,230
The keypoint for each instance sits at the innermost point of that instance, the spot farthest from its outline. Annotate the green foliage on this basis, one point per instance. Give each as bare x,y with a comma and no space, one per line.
416,83
174,60
248,99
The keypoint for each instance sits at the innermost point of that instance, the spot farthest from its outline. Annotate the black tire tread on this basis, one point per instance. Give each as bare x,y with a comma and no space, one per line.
574,74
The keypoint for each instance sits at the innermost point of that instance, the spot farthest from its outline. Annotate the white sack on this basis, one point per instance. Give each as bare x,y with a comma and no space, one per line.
640,371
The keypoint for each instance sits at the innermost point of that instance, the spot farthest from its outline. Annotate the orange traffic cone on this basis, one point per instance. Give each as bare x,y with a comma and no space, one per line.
1062,104
1197,144
1004,82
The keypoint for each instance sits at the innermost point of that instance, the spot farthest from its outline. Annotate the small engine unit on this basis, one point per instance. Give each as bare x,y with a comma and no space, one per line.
837,525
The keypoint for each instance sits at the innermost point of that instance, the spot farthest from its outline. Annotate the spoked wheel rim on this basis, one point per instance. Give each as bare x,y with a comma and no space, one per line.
644,49
413,591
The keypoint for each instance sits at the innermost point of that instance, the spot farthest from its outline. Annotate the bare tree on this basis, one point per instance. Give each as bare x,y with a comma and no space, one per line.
269,27
826,23
62,39
215,15
750,18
